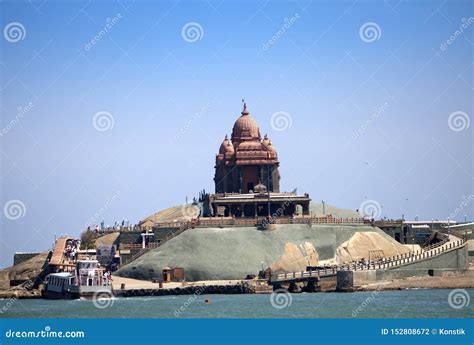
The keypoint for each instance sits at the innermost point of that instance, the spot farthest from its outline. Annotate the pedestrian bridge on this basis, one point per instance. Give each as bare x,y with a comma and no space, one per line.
448,244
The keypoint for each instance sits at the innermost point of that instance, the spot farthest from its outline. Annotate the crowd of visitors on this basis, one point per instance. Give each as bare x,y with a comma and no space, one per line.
103,227
70,251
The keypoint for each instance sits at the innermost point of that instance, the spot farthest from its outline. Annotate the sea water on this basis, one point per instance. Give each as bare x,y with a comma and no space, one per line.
422,303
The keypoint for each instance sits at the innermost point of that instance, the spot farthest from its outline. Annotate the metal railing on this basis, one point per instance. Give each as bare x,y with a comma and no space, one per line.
155,245
151,245
244,221
227,221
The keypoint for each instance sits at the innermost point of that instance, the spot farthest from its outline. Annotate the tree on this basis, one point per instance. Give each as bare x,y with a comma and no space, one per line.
88,238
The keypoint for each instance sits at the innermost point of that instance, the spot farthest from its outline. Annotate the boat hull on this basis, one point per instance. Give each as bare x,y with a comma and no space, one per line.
86,292
48,294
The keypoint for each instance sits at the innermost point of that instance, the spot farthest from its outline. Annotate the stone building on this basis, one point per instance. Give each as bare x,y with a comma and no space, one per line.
245,160
247,180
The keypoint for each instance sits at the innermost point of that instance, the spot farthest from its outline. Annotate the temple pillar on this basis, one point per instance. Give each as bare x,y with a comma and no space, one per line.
239,173
224,179
305,208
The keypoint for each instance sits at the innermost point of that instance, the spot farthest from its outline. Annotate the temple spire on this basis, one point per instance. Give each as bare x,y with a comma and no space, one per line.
245,111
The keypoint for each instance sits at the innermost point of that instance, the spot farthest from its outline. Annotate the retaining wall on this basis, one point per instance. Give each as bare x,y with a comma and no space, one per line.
18,258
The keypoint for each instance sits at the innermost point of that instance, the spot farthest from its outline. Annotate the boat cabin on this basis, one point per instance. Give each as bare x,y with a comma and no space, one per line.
59,281
89,273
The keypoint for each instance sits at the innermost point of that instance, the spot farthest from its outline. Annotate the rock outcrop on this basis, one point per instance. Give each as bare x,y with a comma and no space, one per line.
234,252
368,245
296,258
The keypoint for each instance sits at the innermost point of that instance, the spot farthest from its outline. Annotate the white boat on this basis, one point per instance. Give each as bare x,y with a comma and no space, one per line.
86,280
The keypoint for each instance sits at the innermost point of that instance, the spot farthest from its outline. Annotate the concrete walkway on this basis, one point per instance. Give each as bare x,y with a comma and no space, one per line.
131,284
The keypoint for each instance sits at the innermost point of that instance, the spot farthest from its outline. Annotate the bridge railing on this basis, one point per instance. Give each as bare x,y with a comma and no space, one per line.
444,239
385,263
406,258
306,274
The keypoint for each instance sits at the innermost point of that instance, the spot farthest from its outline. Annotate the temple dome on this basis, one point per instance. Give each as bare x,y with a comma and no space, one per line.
226,146
250,145
270,147
229,149
245,127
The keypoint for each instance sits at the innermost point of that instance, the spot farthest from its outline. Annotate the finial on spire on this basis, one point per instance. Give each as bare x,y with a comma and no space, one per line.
225,137
245,111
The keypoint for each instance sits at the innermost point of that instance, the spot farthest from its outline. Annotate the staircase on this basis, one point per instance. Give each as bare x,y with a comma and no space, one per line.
183,227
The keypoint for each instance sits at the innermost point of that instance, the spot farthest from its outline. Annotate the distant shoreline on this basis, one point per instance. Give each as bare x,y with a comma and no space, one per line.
448,281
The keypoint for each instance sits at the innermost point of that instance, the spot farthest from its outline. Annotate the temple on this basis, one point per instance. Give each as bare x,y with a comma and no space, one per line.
247,179
246,162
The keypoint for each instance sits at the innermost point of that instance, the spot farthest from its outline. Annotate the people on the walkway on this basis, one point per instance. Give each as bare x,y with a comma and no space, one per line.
70,250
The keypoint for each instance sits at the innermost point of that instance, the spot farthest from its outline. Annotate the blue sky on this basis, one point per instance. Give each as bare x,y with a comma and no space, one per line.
370,115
